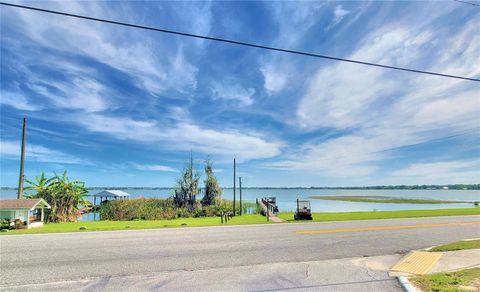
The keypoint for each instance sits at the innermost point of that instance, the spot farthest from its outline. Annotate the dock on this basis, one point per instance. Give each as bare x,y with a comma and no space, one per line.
269,209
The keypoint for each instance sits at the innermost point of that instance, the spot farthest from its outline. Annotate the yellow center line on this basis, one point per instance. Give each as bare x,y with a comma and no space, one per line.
386,227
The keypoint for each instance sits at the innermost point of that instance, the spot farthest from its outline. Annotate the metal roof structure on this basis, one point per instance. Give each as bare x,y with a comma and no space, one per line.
112,194
23,204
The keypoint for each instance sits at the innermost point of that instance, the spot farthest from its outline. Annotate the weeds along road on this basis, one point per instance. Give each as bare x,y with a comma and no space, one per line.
47,258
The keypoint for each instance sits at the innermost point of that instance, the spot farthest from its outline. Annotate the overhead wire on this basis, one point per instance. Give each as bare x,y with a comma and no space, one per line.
236,42
466,2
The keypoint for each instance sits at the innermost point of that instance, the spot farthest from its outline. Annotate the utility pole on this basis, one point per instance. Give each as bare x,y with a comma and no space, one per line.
234,180
240,187
22,162
191,199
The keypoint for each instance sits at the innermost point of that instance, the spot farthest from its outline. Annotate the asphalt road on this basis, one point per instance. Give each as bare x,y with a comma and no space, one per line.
56,258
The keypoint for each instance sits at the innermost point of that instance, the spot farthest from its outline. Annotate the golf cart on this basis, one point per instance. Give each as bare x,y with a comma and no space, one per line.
303,211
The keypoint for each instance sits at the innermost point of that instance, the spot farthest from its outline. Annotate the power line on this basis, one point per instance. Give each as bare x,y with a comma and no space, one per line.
229,41
466,2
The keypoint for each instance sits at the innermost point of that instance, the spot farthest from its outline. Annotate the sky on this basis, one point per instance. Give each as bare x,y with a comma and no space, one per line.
117,106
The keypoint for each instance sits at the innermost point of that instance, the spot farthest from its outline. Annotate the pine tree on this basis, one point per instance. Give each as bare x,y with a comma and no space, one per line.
186,189
213,191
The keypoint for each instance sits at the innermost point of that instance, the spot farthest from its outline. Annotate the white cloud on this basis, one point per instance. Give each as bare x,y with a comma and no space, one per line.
278,70
447,172
234,92
18,101
301,17
457,111
384,110
81,92
339,13
345,156
153,167
38,153
155,67
183,135
275,78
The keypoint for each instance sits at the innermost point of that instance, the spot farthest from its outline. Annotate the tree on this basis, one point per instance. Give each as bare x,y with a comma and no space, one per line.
64,196
186,188
213,191
40,185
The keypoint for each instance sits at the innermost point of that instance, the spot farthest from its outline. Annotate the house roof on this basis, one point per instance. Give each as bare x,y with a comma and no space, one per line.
23,204
112,193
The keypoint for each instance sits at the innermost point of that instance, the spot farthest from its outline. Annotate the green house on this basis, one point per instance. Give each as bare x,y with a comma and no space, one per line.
27,213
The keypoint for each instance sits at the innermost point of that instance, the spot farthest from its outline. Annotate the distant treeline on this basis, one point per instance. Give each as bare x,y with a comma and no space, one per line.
414,187
396,187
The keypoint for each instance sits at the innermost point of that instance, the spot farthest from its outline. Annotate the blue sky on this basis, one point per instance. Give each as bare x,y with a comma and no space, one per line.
124,107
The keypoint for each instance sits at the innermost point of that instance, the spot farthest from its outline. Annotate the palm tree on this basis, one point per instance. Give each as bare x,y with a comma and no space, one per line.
64,196
39,185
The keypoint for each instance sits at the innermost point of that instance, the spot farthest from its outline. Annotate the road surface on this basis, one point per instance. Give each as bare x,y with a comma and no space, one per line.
328,255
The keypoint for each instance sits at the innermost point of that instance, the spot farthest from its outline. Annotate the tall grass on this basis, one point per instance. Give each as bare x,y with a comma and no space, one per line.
160,209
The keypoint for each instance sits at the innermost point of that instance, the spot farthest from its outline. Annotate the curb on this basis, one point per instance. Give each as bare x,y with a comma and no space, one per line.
406,285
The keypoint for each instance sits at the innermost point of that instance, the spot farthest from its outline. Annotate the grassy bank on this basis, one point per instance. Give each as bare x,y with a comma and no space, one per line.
143,224
383,199
465,280
342,216
459,245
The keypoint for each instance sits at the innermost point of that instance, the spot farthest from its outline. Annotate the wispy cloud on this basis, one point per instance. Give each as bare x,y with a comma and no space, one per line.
233,92
184,135
18,101
339,13
382,110
276,77
120,48
153,167
458,171
38,153
104,87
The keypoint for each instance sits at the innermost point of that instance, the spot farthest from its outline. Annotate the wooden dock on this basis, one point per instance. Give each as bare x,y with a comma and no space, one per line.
270,211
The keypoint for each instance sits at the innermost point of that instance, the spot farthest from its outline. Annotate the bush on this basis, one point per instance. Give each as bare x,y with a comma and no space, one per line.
5,224
138,209
160,209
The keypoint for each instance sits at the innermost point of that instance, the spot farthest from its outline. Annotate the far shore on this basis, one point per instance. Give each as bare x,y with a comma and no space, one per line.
386,199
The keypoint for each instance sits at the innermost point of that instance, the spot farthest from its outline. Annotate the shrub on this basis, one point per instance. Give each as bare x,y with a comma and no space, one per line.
160,209
5,224
138,209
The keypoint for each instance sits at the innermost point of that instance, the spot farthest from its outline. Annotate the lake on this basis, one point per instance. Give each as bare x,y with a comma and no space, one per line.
286,198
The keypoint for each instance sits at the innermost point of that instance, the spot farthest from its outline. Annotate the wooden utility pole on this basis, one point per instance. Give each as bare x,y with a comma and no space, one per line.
234,180
191,199
240,187
22,162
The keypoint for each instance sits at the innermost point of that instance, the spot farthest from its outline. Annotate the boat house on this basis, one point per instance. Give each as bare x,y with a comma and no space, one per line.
110,195
25,213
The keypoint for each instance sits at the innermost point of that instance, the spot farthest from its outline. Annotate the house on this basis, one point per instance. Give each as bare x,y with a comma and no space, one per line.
29,212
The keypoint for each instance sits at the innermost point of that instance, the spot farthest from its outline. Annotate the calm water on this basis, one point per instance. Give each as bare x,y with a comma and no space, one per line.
286,198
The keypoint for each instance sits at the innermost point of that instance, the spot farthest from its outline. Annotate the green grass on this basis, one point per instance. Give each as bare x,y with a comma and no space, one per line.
465,280
147,224
342,216
459,245
239,220
383,199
